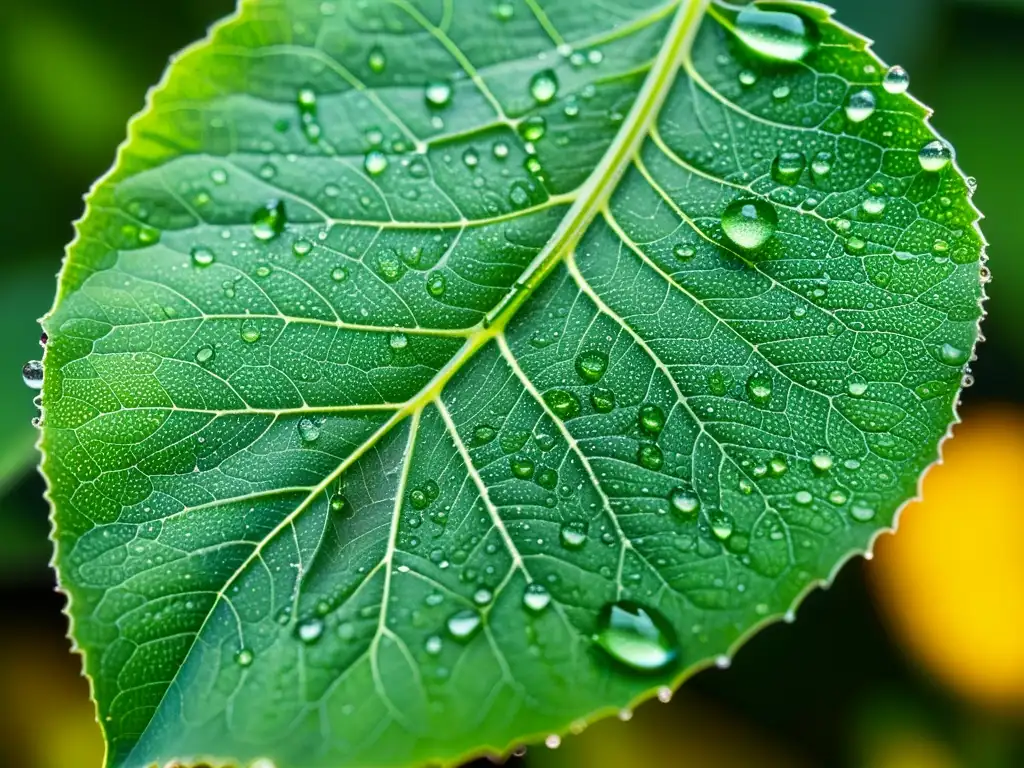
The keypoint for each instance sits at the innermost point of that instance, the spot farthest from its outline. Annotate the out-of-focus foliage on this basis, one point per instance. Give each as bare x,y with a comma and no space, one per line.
952,581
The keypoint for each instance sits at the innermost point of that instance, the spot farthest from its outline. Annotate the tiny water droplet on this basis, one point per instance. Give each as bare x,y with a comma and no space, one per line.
341,506
471,158
684,252
339,274
437,283
377,61
637,636
862,512
896,80
533,128
244,657
749,223
204,354
301,247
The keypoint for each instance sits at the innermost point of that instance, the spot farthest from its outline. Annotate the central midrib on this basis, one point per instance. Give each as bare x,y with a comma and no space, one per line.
591,198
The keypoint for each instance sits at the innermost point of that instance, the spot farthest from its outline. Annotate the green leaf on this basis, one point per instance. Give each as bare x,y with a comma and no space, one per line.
407,396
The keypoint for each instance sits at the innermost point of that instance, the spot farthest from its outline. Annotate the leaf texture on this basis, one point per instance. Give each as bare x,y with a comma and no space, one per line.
405,340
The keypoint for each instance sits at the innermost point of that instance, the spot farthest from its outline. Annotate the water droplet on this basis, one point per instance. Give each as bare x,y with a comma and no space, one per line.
500,150
204,354
874,206
341,506
375,162
250,331
860,106
438,94
651,419
602,399
437,283
803,498
759,388
544,86
309,430
636,636
857,387
747,77
339,274
896,80
32,374
573,534
398,341
565,405
684,502
463,625
774,34
591,365
307,114
750,222
822,461
935,155
684,252
202,257
821,165
268,222
244,657
533,128
788,167
952,355
862,512
521,467
547,478
504,11
390,268
309,630
518,195
471,158
536,597
649,456
302,247
377,61
483,434
721,525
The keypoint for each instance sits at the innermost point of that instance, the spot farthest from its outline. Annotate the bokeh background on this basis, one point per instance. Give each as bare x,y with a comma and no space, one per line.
912,660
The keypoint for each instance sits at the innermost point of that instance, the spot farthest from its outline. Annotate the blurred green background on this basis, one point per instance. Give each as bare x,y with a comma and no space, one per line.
912,660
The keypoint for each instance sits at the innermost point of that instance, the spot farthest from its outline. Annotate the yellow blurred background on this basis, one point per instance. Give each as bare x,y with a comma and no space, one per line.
914,659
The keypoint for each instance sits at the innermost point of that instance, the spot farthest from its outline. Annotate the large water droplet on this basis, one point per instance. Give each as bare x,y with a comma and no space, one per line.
684,502
250,332
651,419
952,355
649,456
32,374
544,86
573,534
536,597
463,625
341,506
438,94
268,222
309,430
521,467
375,162
204,354
377,61
437,283
759,388
750,222
896,80
788,167
775,34
636,636
244,657
602,399
860,106
935,155
309,630
533,128
721,525
565,405
591,365
202,257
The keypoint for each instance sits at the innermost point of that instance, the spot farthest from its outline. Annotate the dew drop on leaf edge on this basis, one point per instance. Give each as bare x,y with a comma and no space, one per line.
32,374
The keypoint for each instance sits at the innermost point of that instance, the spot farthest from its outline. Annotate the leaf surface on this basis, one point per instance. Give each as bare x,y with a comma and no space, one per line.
405,347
